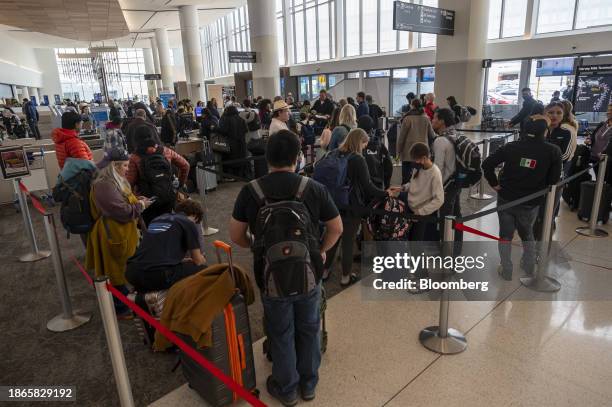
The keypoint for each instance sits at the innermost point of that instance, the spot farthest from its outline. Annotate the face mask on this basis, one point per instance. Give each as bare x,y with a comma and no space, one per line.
417,166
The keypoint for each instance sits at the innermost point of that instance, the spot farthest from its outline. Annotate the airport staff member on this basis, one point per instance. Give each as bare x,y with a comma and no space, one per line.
530,165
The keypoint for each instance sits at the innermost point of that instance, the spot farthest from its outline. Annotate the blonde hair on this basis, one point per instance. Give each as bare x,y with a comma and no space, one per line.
568,116
353,141
109,174
348,116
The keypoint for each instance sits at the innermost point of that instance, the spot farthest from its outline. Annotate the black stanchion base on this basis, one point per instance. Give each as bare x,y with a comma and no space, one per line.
454,342
61,324
543,284
31,257
586,231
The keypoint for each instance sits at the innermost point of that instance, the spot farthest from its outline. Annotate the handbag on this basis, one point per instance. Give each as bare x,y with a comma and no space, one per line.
219,143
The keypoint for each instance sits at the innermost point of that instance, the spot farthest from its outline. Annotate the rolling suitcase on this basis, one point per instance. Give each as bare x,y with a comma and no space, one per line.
207,180
231,350
587,191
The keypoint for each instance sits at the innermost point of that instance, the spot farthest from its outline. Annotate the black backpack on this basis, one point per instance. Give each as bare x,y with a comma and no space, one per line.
308,134
375,159
75,211
468,160
287,243
157,179
254,124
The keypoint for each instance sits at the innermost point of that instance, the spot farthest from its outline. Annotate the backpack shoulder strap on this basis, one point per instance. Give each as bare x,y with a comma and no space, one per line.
301,188
258,192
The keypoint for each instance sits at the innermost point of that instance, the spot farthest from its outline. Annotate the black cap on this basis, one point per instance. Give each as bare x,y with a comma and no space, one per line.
70,119
144,138
366,123
535,128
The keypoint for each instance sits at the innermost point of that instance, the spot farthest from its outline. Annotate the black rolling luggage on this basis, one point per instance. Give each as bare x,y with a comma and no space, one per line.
580,161
587,193
495,143
231,351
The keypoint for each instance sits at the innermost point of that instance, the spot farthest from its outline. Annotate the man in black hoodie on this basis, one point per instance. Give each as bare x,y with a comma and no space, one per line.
530,165
529,103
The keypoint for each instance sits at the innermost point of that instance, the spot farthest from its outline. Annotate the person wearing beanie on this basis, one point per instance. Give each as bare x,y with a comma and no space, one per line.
114,236
529,165
67,141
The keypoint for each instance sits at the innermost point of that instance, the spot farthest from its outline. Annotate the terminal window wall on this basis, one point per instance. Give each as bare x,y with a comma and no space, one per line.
502,88
368,28
313,30
403,81
507,18
280,32
543,86
240,39
565,15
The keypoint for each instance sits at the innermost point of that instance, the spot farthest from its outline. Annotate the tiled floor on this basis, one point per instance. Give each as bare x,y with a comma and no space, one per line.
531,349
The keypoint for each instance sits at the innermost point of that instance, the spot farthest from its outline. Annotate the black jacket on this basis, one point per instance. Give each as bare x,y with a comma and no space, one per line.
130,133
561,138
235,129
376,113
530,165
169,128
325,108
528,104
363,191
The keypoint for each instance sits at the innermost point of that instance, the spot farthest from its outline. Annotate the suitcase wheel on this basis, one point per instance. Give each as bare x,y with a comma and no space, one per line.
255,392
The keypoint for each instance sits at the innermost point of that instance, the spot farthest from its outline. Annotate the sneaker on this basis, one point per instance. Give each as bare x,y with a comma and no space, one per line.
287,401
307,395
506,276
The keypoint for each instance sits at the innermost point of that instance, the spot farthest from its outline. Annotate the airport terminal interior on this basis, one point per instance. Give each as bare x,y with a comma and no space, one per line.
447,240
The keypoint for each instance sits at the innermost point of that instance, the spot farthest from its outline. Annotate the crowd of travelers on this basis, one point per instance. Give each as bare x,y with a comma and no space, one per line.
143,233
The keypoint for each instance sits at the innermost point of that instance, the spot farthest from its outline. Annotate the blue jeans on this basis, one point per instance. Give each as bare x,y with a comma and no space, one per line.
520,218
293,326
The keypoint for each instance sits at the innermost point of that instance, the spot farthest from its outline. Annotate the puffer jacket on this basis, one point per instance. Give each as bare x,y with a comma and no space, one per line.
68,144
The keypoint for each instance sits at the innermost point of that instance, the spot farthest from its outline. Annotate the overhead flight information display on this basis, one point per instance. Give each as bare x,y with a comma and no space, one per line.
593,90
424,19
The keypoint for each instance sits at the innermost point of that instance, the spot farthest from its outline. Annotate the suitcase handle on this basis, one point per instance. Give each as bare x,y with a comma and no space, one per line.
220,245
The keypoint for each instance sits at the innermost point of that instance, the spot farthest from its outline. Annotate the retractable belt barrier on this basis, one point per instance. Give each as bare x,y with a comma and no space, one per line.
194,354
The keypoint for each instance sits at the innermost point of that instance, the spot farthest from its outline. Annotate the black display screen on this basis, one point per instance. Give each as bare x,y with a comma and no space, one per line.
424,19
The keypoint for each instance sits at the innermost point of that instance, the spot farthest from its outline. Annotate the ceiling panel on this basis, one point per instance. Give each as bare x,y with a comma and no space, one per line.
89,20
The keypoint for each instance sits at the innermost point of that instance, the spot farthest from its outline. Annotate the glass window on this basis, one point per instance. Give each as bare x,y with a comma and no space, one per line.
515,14
351,27
311,34
555,15
352,75
388,36
428,40
333,79
324,32
593,13
379,73
280,32
300,45
369,27
495,10
503,87
403,82
318,82
304,88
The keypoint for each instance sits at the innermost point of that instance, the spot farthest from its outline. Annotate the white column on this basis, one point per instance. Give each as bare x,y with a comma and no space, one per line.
149,69
459,58
339,20
25,94
34,92
163,49
156,66
262,25
288,20
192,52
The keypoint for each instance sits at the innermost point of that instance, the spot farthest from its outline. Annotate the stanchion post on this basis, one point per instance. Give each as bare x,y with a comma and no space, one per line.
69,319
516,134
480,195
592,230
36,254
442,339
113,339
542,282
206,229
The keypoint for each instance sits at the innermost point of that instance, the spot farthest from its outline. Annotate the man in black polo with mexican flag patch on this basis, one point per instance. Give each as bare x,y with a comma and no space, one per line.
529,165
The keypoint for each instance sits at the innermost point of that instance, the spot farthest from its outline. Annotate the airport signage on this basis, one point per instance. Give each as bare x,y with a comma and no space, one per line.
424,19
242,57
152,77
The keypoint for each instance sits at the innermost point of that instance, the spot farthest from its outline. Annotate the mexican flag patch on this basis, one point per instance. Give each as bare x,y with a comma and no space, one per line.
528,163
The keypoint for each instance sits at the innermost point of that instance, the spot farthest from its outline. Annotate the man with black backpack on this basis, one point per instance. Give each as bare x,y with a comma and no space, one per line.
151,173
282,210
459,161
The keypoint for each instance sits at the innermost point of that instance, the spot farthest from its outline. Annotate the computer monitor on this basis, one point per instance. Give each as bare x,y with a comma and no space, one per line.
198,111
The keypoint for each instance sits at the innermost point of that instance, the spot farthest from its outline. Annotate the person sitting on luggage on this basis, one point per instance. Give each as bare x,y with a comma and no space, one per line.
292,322
425,191
169,251
530,165
376,155
114,236
67,141
157,179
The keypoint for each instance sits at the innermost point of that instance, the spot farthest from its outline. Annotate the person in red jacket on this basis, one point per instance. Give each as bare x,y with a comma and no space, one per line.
430,105
67,141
